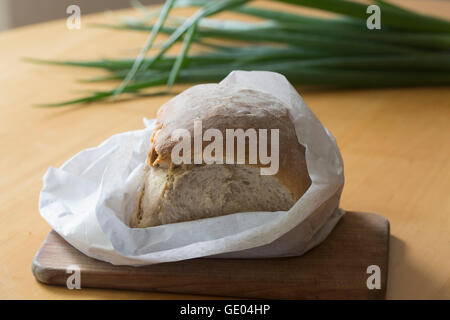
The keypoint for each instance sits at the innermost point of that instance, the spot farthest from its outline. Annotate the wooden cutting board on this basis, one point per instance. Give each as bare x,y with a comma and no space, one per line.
336,269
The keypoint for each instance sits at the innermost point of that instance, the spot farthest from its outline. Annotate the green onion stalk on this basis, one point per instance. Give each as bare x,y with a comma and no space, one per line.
410,49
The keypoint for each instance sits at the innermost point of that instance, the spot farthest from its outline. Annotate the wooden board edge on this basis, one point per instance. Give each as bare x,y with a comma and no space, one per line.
52,276
38,270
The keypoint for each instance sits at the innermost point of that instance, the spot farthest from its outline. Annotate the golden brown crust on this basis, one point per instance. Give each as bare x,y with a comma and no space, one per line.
223,108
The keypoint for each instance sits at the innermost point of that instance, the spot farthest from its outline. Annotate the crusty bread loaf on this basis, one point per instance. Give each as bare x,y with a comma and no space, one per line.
174,193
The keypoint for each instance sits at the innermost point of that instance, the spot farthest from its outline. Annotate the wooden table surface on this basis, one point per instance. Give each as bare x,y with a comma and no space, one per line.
395,144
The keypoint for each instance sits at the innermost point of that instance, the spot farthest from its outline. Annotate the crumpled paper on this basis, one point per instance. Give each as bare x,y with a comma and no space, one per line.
89,200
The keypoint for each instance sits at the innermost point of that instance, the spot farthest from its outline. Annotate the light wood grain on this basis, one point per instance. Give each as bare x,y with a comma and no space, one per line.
395,145
336,269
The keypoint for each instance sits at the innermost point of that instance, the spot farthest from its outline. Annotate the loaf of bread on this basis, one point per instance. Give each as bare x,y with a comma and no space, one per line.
188,191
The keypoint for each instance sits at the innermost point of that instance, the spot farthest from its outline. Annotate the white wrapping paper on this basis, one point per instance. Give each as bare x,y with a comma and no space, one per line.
89,200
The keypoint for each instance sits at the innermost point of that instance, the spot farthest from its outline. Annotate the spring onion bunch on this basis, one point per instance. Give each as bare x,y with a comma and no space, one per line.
410,49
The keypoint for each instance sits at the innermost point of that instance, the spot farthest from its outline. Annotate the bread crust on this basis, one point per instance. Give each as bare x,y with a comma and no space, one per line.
220,107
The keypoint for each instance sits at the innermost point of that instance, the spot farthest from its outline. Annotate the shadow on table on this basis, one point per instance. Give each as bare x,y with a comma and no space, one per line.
405,279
